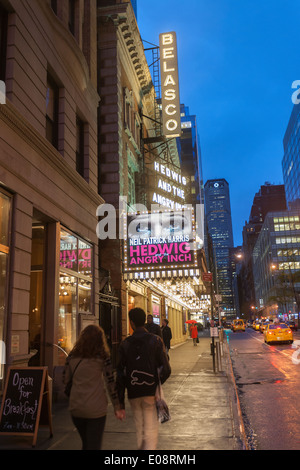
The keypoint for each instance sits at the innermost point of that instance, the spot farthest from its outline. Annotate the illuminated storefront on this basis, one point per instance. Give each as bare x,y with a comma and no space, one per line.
5,209
75,287
156,309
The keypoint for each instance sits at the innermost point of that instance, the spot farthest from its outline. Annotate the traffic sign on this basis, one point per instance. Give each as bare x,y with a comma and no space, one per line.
214,332
207,277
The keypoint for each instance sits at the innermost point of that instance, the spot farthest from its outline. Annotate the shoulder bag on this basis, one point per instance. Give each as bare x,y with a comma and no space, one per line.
163,413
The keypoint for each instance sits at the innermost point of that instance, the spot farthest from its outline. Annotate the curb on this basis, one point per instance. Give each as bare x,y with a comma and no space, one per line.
238,422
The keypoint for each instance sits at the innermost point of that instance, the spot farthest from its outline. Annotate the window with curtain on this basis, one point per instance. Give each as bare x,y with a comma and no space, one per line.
80,146
52,97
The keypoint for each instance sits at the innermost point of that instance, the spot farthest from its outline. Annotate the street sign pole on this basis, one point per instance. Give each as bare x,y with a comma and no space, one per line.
214,333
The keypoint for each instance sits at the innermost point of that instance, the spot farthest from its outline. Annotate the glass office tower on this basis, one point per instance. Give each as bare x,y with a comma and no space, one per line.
276,266
291,159
190,156
219,231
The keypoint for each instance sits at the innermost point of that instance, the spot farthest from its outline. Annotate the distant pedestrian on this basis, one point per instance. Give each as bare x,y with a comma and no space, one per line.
152,327
194,334
89,367
142,357
166,334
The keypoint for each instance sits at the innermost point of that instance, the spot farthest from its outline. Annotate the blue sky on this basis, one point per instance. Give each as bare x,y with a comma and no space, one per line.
237,62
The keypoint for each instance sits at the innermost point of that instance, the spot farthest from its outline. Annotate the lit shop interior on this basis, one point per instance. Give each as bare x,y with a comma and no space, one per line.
180,296
75,287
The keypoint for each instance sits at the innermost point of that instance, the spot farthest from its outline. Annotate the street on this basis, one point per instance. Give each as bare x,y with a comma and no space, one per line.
268,380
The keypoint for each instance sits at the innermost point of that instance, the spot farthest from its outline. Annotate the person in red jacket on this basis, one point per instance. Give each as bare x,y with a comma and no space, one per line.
194,334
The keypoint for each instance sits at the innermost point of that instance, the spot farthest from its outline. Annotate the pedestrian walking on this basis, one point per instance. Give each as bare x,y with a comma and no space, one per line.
142,362
153,327
88,369
194,334
166,334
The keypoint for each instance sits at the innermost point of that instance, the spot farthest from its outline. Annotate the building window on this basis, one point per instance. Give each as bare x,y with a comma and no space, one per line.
137,133
3,42
128,106
75,287
80,146
5,208
131,187
52,97
54,6
132,170
72,12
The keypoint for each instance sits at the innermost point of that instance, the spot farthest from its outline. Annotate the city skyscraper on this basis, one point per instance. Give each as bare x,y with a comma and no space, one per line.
190,156
291,159
219,231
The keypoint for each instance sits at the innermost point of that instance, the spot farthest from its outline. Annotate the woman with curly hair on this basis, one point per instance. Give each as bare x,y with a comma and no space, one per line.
89,368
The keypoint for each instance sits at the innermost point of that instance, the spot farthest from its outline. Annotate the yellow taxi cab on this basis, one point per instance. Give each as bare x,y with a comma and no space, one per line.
256,325
278,332
238,325
263,326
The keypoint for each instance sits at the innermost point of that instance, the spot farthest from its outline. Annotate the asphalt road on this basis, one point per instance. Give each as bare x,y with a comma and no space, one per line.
268,383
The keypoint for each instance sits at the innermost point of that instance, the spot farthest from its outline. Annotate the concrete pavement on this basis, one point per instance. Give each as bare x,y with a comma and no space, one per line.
203,405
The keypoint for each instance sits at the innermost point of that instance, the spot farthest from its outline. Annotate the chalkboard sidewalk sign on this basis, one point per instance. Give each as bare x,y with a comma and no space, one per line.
26,402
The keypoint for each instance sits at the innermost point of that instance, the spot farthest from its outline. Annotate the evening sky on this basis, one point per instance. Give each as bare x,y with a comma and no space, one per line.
237,62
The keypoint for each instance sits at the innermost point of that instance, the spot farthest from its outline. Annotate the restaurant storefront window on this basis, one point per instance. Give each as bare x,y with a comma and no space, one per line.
156,309
5,207
36,302
75,287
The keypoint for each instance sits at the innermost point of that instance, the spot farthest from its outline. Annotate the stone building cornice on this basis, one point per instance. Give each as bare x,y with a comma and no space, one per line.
123,19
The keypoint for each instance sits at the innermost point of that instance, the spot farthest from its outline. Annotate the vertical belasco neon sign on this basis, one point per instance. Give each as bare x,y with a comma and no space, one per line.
170,85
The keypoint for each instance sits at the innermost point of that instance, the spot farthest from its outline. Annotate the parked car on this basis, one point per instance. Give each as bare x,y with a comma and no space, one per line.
263,326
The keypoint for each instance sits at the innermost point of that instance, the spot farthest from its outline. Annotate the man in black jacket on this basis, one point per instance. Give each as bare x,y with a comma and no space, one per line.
153,327
142,357
166,334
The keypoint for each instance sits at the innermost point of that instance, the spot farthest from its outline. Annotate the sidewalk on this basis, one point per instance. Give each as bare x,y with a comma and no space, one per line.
203,407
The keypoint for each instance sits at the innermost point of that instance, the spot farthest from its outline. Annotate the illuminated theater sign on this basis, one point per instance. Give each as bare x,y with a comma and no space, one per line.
170,189
160,240
170,85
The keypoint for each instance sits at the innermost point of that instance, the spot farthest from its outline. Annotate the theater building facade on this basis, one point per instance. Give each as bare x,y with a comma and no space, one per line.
141,165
